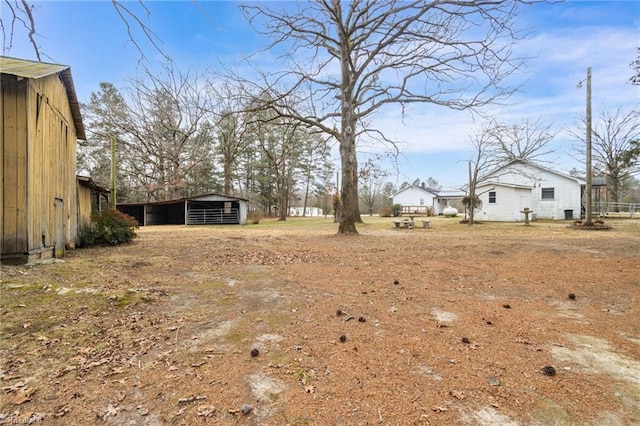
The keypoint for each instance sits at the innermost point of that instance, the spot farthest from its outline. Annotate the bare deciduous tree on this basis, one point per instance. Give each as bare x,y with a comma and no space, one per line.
497,144
371,181
366,55
616,154
231,133
527,140
313,161
163,142
166,112
22,13
484,159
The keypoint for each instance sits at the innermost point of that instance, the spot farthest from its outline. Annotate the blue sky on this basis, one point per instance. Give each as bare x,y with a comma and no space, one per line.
564,40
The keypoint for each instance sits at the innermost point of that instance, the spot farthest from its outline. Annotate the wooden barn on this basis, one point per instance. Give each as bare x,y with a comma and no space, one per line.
40,121
207,209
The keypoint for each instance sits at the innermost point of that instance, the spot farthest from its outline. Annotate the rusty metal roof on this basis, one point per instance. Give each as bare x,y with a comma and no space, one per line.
89,183
35,70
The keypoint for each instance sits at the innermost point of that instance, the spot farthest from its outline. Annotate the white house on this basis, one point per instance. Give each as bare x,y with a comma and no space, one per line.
308,212
507,190
416,199
425,200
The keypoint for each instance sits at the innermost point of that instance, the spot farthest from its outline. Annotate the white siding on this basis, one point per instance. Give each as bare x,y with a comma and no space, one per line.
309,212
509,203
413,196
509,182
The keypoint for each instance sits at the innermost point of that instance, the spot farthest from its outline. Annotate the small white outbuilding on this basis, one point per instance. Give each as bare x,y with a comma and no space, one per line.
549,194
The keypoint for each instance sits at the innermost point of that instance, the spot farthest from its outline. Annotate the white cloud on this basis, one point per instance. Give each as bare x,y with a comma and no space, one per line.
561,59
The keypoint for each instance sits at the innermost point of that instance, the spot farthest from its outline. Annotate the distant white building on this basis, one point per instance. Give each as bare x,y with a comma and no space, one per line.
308,211
424,200
507,190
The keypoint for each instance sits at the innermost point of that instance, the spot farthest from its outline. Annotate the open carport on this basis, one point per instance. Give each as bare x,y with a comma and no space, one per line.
207,209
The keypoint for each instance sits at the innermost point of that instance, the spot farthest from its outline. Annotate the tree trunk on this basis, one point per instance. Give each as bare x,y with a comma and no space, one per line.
306,189
281,196
227,176
348,215
613,188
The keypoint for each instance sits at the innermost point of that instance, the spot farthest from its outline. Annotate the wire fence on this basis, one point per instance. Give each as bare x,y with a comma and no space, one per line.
616,209
212,216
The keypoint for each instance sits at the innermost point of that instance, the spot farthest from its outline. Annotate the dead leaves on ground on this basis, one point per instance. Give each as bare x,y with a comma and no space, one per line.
21,391
269,258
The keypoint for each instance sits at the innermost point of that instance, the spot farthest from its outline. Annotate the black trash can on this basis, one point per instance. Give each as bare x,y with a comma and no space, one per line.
568,214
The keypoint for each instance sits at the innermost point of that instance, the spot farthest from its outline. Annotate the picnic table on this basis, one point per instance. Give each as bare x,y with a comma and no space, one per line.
407,224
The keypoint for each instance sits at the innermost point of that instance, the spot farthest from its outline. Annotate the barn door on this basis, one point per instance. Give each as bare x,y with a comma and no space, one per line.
59,228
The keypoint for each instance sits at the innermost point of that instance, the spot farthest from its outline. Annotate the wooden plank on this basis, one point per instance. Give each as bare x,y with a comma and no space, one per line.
38,175
21,138
2,108
10,173
32,169
59,214
71,183
50,170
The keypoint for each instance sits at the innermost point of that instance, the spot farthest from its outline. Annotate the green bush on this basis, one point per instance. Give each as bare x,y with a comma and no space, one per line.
396,210
111,228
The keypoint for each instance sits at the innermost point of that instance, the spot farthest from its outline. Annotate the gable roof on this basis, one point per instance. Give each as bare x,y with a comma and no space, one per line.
35,70
528,163
430,191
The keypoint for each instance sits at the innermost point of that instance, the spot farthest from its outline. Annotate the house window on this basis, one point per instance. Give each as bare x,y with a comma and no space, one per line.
548,193
492,197
422,201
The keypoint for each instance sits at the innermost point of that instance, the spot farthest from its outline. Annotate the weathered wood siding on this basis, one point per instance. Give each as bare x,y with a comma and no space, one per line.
14,162
39,165
84,209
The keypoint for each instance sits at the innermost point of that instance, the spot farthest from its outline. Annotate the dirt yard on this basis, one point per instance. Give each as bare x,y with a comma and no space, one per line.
290,324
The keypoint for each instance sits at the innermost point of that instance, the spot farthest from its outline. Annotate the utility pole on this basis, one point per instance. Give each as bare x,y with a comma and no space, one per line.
587,219
472,192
